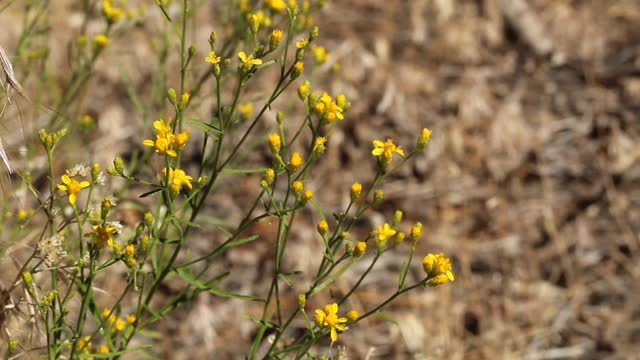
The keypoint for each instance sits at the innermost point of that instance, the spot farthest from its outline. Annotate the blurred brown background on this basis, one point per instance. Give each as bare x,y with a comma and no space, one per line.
530,182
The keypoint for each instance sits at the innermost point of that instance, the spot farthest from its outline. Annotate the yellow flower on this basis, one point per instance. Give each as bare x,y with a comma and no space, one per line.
306,196
274,143
103,349
245,110
416,231
438,269
328,319
162,128
212,58
131,319
72,187
120,324
320,55
303,90
318,146
352,315
297,186
130,250
181,138
295,161
360,248
323,227
162,144
276,5
101,40
423,140
177,178
302,43
111,13
276,38
386,149
248,61
298,67
385,231
328,109
102,234
356,189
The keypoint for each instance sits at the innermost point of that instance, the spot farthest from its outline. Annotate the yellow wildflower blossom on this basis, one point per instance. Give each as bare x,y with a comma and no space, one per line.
328,319
275,5
438,269
72,187
101,40
295,161
102,234
177,178
162,144
385,231
320,55
245,110
386,149
212,58
181,138
247,61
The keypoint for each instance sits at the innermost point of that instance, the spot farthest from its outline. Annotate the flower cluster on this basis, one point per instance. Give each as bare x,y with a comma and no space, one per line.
438,269
115,322
166,141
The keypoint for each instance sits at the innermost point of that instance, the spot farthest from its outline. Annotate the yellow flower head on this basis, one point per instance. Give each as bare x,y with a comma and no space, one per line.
360,248
385,232
302,43
162,128
212,58
320,55
101,40
274,143
423,140
295,161
101,234
111,13
247,61
352,315
245,110
356,189
276,5
276,38
181,138
386,149
328,319
319,147
323,227
72,187
297,186
163,144
438,269
177,178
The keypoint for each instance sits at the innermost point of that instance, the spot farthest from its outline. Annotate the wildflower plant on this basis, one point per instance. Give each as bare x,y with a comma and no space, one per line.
82,241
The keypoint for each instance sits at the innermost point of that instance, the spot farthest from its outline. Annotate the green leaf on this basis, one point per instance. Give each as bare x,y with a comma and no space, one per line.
243,171
386,317
151,192
332,278
229,295
208,129
242,241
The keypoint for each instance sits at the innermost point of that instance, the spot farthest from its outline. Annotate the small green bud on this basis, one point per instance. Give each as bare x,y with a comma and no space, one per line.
377,196
119,165
397,218
28,280
192,50
13,346
212,39
111,170
314,33
148,219
254,24
172,96
302,301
